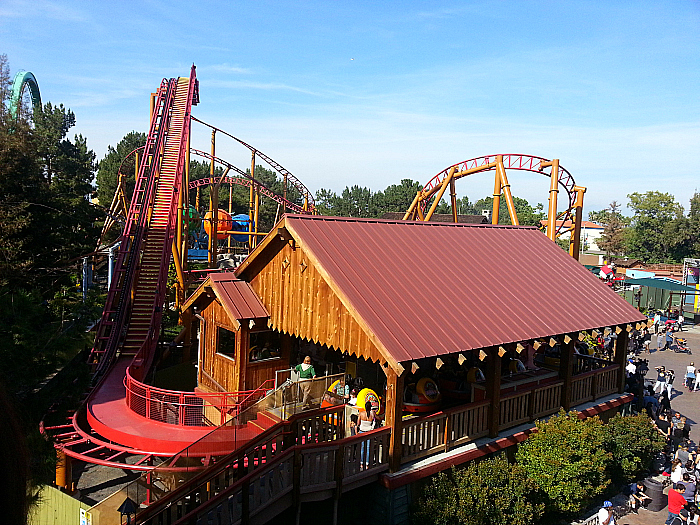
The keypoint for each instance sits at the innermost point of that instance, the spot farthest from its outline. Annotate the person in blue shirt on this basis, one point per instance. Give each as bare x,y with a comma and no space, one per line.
637,496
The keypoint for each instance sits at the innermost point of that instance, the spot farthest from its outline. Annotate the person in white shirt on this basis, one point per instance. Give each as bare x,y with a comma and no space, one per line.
689,374
605,514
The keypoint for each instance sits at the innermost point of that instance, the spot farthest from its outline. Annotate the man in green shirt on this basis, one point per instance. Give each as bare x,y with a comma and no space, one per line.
306,372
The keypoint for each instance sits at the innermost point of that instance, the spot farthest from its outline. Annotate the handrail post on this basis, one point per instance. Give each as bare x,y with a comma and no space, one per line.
245,502
181,411
148,403
566,368
493,390
594,385
621,357
531,405
446,443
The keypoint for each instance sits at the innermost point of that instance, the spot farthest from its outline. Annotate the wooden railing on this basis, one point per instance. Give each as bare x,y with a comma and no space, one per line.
439,432
308,428
546,400
589,386
280,482
607,381
309,454
514,409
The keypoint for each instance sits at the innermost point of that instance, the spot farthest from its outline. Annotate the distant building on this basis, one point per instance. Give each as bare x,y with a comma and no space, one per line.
590,233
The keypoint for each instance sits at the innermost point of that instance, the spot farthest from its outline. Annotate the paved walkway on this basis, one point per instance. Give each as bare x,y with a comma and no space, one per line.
687,403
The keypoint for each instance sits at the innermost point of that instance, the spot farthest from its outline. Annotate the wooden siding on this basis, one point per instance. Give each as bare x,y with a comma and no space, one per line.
56,508
301,303
222,369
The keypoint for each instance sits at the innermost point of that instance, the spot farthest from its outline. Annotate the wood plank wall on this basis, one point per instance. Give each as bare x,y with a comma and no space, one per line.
221,368
302,303
234,374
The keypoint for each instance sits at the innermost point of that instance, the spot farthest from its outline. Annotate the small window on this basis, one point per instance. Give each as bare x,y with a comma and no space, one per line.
226,342
264,345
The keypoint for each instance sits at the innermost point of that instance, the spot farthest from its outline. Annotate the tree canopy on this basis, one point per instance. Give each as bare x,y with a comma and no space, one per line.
356,201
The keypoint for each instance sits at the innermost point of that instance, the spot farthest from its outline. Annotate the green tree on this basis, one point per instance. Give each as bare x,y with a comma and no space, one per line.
658,233
527,214
490,492
108,169
398,197
614,236
354,201
633,442
567,461
693,241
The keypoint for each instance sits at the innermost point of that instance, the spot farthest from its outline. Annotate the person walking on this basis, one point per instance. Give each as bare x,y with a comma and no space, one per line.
306,374
660,341
670,377
660,384
669,339
657,322
689,375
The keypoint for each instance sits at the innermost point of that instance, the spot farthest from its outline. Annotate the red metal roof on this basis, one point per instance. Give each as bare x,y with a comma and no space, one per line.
236,296
428,289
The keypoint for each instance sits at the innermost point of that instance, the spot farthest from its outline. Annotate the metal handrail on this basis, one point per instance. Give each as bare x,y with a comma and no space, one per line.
185,407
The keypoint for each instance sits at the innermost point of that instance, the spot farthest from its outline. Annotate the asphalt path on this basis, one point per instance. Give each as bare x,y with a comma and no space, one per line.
685,402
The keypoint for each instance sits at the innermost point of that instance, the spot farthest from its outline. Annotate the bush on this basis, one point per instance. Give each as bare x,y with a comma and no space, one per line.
567,461
491,492
633,442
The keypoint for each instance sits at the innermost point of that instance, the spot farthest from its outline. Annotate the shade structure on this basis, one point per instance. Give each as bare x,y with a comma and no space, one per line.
428,289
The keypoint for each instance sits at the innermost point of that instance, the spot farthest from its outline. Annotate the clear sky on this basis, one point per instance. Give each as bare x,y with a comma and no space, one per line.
369,93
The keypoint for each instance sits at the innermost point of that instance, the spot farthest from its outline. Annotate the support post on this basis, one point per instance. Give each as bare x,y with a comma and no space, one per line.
257,214
501,173
575,244
394,409
411,211
251,202
621,357
213,208
453,200
495,212
493,390
241,357
64,470
566,371
440,193
553,192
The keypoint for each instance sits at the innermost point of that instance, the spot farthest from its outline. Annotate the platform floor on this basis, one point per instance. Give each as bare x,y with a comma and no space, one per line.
110,417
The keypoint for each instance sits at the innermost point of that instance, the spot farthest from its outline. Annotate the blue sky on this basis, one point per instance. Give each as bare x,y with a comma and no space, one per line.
369,93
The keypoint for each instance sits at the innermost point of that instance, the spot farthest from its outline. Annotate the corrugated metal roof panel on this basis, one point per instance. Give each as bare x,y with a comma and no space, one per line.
237,297
428,289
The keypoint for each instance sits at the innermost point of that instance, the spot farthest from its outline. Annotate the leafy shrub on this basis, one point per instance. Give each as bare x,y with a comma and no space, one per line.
490,492
567,461
633,442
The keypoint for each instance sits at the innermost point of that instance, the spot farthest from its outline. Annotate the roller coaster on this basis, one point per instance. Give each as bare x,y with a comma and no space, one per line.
426,200
106,430
124,422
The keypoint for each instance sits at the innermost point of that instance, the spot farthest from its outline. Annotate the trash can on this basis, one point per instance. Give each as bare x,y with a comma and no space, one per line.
659,463
655,490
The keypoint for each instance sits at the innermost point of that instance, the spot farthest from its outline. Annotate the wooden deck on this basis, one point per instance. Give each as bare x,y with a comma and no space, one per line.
309,459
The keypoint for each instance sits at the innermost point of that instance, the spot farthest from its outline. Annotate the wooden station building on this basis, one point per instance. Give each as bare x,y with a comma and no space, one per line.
402,300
